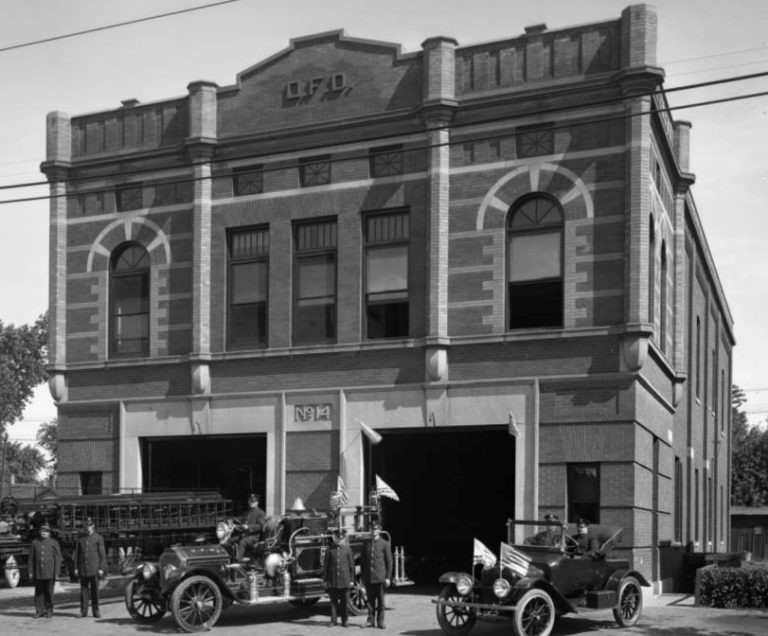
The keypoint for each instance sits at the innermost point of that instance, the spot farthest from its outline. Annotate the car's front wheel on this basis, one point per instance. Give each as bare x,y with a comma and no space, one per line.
142,602
534,614
630,602
196,604
453,620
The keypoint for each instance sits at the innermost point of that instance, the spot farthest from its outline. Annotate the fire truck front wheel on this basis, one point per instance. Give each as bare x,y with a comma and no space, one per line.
196,604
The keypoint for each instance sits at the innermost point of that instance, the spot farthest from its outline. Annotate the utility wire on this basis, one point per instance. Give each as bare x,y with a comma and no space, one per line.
421,148
451,126
113,26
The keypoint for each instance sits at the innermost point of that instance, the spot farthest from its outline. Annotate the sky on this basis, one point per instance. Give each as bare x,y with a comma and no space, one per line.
698,41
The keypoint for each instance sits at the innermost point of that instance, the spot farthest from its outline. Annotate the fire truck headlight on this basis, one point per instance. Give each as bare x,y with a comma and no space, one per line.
464,585
169,571
148,571
501,587
221,530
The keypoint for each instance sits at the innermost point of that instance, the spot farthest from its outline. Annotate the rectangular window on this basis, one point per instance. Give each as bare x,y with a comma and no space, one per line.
129,197
386,275
697,353
584,492
173,193
314,171
248,180
314,287
248,276
130,320
535,283
696,505
678,500
534,141
90,483
386,161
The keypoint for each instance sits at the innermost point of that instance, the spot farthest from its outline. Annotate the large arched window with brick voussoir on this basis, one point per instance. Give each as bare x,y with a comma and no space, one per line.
535,263
129,301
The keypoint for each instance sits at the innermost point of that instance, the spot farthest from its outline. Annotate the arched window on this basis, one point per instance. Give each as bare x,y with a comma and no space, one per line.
535,263
651,272
129,301
663,298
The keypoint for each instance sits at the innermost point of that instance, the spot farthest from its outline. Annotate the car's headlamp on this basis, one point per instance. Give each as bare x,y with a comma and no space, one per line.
169,570
221,530
464,585
148,571
501,588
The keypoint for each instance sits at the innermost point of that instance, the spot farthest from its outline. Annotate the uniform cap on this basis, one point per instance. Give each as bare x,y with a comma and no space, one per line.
553,518
581,521
89,521
45,527
253,497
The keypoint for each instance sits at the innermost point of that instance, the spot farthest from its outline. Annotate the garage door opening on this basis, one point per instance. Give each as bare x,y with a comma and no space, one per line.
454,485
234,465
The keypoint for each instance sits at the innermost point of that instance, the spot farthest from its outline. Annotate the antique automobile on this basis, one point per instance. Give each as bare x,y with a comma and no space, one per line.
531,585
196,582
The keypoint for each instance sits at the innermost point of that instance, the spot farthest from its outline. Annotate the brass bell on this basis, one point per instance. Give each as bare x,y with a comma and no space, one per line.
298,505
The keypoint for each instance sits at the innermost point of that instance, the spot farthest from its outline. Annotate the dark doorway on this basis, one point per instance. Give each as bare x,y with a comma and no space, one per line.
234,465
454,485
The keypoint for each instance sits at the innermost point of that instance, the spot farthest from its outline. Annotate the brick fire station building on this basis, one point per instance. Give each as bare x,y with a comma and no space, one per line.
489,254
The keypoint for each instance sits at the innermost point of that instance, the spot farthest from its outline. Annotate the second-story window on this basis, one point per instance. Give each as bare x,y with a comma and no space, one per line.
248,180
314,171
129,197
248,276
129,306
386,275
386,161
535,270
534,141
314,302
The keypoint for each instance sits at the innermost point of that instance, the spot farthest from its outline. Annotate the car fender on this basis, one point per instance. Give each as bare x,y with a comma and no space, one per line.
562,604
452,577
616,578
214,576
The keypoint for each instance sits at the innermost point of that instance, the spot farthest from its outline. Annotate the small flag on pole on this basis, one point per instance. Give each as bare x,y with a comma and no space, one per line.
482,554
514,559
341,492
384,490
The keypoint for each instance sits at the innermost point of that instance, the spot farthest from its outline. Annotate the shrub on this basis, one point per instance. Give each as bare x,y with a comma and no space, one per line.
733,587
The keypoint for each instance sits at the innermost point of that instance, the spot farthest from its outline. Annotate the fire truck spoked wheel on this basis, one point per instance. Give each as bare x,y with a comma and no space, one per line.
196,604
141,602
357,599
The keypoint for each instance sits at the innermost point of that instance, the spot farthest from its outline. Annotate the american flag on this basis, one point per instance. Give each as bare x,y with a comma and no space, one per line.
341,492
481,554
384,490
514,559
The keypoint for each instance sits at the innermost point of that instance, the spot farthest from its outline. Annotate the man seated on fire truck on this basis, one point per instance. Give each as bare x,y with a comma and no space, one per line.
253,525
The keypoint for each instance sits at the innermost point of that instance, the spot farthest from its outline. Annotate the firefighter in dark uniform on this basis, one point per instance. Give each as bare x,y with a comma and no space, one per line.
90,564
586,544
45,565
376,570
253,524
339,576
548,537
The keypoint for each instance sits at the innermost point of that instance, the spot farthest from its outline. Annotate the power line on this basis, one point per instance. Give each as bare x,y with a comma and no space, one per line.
614,100
358,157
706,57
113,26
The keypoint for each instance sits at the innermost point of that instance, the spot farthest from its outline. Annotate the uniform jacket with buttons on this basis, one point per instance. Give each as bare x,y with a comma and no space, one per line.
90,556
339,566
376,563
45,558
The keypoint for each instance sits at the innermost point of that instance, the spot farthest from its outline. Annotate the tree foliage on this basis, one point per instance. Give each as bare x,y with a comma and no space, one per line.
23,355
749,459
24,462
48,438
